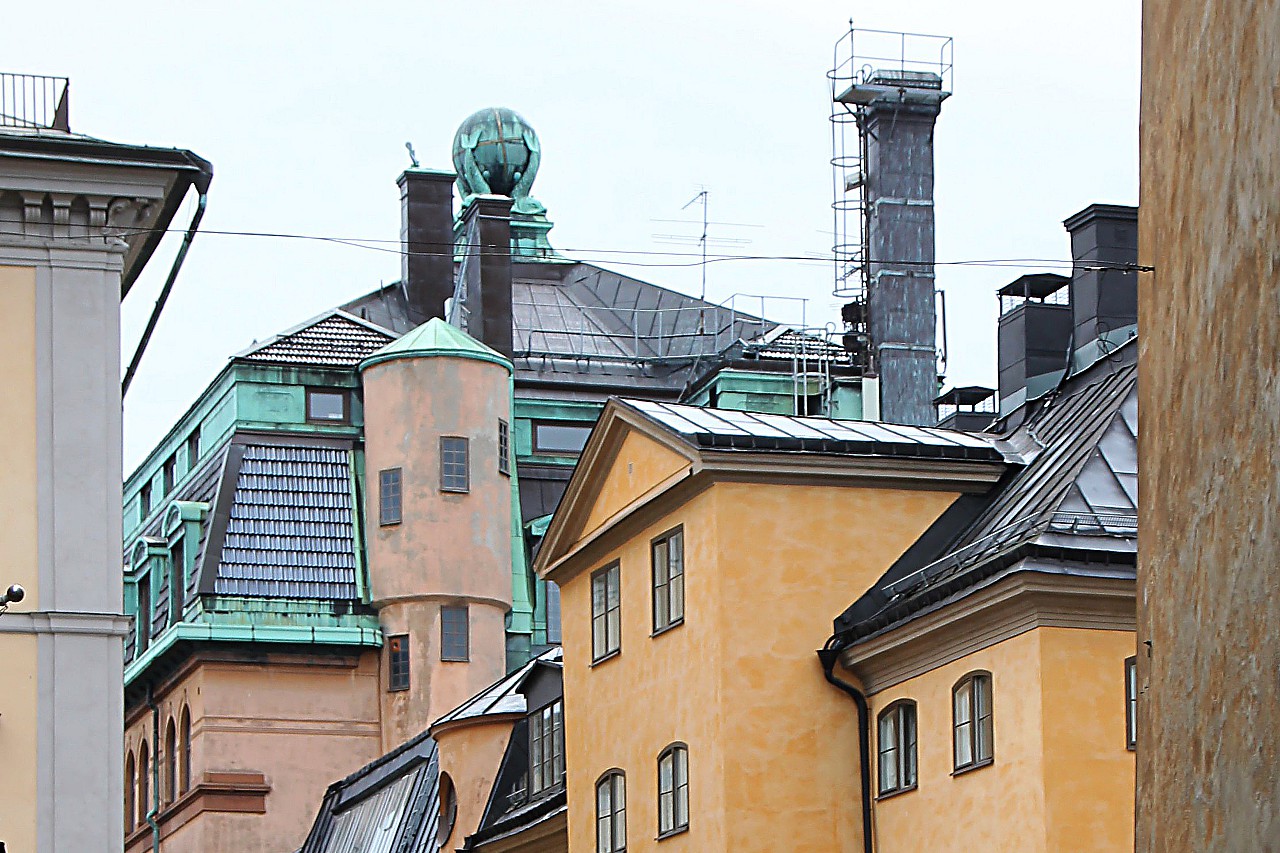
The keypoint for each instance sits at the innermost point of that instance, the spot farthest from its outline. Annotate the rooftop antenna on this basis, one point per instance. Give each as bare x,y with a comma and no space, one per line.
702,241
413,158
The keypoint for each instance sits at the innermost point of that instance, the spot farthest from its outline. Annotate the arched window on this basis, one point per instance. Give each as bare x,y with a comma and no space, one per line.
971,721
144,783
673,790
170,763
184,763
130,784
896,744
611,812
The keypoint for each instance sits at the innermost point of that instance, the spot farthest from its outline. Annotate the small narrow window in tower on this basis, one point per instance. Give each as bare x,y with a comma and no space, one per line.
1131,702
546,747
668,580
673,790
327,407
144,501
170,472
389,497
398,662
142,616
455,634
455,467
606,613
504,448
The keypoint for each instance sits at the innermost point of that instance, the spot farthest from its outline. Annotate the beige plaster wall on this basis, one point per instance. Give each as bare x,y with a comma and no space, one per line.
300,722
1208,748
471,755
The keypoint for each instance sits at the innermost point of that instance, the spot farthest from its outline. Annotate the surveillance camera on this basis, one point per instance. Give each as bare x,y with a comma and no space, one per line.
12,595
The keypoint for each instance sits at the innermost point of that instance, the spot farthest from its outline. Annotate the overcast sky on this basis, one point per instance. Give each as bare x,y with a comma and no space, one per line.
304,109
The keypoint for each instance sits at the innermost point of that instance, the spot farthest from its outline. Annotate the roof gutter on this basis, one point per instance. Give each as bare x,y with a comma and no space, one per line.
828,656
202,186
153,808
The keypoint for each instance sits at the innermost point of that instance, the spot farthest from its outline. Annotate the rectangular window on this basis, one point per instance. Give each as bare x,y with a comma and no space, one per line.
327,407
193,449
177,580
455,468
1131,702
398,662
170,473
455,634
144,501
668,579
606,612
504,448
389,501
972,722
565,438
546,747
553,612
142,617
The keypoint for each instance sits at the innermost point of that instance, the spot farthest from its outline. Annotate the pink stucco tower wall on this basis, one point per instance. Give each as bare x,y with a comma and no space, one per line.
448,548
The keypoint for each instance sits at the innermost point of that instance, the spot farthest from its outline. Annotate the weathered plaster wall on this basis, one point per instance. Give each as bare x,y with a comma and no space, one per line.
471,755
1209,712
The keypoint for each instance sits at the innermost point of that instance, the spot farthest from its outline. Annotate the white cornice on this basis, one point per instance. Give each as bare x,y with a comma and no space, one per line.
1012,606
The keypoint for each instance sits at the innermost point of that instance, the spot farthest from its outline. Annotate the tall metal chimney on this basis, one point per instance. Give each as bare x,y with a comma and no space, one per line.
482,301
1034,337
426,241
894,104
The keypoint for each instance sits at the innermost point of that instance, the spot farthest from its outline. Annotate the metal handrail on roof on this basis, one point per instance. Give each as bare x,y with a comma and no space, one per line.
34,101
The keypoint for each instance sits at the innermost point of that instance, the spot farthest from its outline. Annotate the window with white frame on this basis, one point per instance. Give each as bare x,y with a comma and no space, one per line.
971,721
611,812
896,745
606,612
673,790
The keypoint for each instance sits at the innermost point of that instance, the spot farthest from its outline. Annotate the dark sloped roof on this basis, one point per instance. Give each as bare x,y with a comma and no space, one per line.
290,532
332,339
581,324
1075,497
730,429
503,696
389,806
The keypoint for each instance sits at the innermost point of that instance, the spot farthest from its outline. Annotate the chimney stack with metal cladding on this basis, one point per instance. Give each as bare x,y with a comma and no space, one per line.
1034,338
1104,280
426,240
885,254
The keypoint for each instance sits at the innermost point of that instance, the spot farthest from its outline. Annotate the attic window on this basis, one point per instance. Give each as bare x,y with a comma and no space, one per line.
546,747
327,407
561,438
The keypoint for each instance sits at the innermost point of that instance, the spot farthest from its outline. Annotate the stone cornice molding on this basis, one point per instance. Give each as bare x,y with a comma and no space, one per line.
64,622
1014,605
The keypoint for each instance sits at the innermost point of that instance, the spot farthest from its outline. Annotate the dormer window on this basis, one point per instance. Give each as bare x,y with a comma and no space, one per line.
546,748
327,407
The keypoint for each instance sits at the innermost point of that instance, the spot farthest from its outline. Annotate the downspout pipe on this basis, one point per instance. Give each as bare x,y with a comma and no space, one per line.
202,186
154,807
828,656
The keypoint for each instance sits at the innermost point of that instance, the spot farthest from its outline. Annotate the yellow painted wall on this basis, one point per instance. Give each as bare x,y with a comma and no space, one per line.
1088,770
1062,779
641,464
998,807
18,556
772,747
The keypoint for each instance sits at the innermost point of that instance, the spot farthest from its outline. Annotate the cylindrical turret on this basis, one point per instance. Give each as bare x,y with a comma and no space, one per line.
437,405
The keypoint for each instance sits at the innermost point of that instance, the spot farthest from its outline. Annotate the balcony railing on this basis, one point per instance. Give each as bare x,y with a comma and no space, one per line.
34,101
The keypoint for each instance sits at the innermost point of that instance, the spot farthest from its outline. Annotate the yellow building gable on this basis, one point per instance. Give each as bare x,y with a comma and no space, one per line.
639,466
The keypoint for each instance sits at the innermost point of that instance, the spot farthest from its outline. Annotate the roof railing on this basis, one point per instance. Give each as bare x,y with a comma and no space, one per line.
35,101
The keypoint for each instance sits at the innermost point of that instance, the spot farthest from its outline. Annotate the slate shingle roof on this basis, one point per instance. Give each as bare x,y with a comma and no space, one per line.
333,339
291,530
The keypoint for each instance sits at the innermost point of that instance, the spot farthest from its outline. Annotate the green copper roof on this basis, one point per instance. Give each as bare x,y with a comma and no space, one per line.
436,337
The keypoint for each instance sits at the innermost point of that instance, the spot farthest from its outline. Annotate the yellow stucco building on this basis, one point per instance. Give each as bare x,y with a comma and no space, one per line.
701,555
